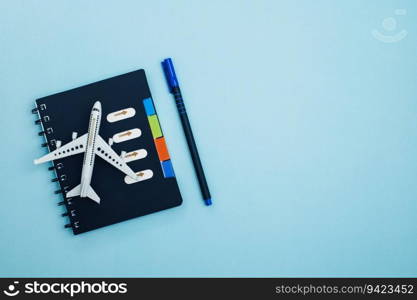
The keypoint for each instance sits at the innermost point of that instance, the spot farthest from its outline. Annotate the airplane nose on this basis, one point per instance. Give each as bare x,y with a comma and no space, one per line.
97,105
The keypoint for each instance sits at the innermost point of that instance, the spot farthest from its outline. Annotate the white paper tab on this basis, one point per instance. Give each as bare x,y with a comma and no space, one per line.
121,114
127,135
134,155
142,175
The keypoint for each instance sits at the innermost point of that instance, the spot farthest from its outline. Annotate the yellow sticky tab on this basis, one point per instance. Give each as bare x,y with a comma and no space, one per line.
155,128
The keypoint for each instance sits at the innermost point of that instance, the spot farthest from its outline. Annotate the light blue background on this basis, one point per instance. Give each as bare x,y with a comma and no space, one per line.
306,124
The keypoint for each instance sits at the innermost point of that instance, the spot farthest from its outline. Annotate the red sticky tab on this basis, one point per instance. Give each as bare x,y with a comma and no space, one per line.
161,148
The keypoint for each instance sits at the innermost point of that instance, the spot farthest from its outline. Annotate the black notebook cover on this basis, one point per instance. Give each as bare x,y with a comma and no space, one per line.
63,113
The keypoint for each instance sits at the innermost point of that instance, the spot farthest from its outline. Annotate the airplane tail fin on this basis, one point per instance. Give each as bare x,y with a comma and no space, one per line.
90,193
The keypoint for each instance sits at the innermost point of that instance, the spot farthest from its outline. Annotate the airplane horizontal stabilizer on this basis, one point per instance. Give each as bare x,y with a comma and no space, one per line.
92,195
75,191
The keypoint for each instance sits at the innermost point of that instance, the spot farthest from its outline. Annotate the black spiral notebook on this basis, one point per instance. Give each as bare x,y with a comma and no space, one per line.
131,126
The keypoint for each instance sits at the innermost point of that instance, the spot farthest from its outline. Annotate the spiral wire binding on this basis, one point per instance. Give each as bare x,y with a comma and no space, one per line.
71,213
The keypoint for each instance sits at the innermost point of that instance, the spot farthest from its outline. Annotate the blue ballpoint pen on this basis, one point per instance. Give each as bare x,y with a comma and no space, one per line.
174,89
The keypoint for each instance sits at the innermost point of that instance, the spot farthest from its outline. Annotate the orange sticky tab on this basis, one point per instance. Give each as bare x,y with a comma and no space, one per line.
161,148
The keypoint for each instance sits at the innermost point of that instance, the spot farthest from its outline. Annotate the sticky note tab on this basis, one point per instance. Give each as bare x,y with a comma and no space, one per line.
155,128
142,175
121,115
149,109
127,135
135,155
168,169
162,149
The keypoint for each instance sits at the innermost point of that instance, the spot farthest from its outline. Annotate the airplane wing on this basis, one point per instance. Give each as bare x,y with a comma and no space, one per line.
107,153
74,147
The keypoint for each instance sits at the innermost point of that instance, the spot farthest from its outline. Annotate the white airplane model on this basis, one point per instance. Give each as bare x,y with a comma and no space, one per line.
92,144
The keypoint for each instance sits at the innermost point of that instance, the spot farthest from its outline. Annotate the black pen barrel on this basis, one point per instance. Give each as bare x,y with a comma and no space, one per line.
192,145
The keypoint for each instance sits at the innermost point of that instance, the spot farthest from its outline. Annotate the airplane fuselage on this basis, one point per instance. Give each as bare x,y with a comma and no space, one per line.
89,155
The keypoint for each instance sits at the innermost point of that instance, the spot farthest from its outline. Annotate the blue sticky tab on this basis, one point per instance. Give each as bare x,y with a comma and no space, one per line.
168,169
150,110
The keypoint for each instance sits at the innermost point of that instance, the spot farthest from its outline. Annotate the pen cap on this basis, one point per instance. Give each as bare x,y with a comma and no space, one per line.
169,71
